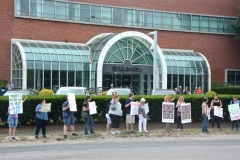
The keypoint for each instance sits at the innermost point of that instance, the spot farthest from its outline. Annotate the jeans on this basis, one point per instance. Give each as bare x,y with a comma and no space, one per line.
142,122
204,122
236,121
89,121
215,118
179,123
167,127
40,124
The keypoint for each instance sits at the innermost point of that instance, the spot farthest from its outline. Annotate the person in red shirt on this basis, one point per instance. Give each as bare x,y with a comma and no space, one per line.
199,91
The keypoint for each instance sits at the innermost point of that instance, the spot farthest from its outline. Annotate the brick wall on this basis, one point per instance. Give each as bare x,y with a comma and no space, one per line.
221,51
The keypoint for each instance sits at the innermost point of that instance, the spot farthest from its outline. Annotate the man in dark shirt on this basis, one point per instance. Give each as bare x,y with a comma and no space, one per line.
69,119
130,119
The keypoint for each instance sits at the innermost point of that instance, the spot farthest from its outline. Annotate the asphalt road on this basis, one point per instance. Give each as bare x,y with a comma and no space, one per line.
134,150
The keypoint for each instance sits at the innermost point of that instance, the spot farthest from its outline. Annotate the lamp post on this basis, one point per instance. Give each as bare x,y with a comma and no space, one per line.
154,61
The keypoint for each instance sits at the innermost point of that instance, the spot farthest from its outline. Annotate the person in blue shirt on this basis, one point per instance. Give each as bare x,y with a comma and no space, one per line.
130,119
69,119
235,101
41,120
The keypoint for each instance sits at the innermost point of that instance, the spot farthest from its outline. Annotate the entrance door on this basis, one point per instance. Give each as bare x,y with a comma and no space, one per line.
126,80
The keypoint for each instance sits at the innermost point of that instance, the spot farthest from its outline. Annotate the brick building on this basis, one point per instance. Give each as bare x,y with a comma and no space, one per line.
89,38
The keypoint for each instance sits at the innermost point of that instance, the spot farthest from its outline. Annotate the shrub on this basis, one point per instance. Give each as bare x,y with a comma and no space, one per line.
46,92
104,93
210,93
227,90
3,83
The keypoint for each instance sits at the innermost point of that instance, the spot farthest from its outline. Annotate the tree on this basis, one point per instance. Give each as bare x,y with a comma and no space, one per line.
236,26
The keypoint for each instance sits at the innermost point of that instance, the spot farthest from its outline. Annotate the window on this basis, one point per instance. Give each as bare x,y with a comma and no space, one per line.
177,21
137,18
96,14
61,10
84,13
186,22
231,30
36,8
127,17
195,23
48,9
73,11
167,20
106,15
157,20
233,77
222,25
117,16
213,24
148,19
204,23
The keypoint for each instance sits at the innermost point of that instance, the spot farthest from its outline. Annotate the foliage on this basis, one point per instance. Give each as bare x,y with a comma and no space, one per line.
224,84
210,93
104,93
227,90
3,83
155,105
236,26
46,92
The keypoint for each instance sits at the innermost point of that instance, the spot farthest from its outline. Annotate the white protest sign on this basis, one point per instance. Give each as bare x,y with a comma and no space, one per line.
72,102
15,103
186,113
168,112
146,108
234,111
134,108
92,107
208,113
46,107
218,111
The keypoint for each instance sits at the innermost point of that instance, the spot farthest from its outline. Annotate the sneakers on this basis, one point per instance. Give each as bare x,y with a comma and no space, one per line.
133,132
145,131
93,132
74,134
87,134
113,132
36,137
117,131
10,138
139,131
44,136
179,129
128,132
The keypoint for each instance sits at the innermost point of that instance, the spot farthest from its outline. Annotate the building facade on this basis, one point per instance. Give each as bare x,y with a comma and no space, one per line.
49,44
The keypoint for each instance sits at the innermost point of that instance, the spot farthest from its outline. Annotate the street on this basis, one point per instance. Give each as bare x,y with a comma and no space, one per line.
222,148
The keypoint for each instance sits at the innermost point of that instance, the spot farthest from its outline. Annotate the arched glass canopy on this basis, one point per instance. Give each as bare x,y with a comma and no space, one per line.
49,64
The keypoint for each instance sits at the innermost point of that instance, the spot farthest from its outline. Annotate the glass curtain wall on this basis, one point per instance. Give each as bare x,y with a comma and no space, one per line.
107,15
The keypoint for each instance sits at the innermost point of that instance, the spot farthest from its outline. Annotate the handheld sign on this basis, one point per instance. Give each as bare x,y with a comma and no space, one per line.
72,102
208,113
186,113
234,111
146,108
46,107
92,108
134,108
168,112
15,104
218,111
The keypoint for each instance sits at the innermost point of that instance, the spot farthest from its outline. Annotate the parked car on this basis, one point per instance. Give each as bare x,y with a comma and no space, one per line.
164,92
76,90
23,92
120,91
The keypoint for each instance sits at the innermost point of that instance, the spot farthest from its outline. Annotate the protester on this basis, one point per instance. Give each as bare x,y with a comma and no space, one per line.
115,113
195,90
199,91
218,103
108,126
176,91
168,100
130,119
68,117
204,115
12,123
10,86
235,101
41,120
179,110
88,118
186,91
142,116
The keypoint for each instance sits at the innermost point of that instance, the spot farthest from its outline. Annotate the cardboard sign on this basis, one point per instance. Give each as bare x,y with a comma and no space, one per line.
15,104
46,107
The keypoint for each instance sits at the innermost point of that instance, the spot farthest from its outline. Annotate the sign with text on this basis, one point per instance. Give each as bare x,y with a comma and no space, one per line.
146,108
15,104
92,108
186,113
168,112
234,111
46,107
218,111
134,108
72,102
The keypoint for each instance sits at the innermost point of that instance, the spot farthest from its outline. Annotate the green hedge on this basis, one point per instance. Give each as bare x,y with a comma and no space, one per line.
227,90
155,103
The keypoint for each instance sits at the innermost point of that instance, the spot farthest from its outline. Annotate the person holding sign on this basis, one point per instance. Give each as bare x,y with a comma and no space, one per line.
130,119
41,120
205,115
86,115
168,100
215,103
179,110
235,101
115,113
142,116
69,119
12,123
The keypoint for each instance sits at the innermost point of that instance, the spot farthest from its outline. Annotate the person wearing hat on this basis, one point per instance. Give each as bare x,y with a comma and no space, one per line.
69,119
142,116
88,118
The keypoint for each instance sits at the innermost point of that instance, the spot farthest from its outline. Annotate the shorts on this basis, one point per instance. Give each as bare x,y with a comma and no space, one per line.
108,119
13,122
70,120
130,119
